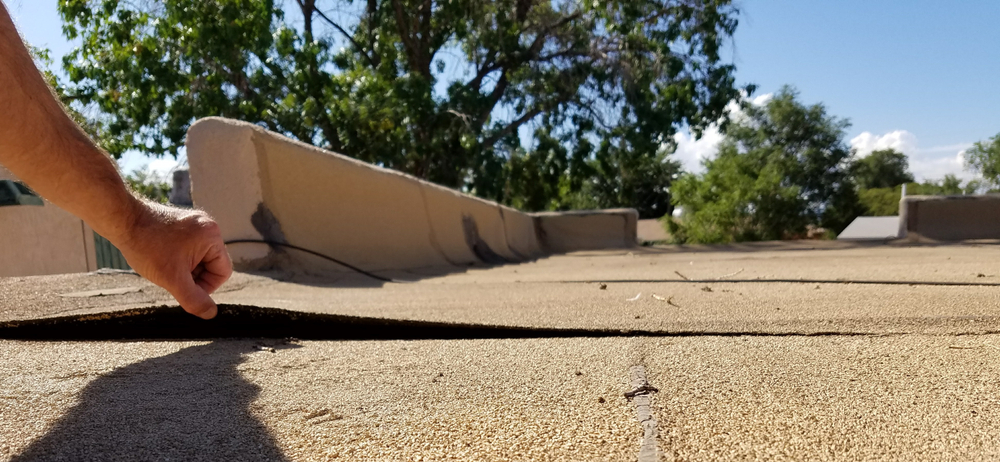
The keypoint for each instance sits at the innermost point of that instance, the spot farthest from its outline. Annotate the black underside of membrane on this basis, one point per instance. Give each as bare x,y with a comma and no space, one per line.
237,321
241,321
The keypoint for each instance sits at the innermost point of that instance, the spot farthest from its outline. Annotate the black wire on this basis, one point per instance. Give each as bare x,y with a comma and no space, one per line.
313,252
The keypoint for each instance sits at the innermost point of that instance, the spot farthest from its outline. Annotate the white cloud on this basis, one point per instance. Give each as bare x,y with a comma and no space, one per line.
761,100
691,152
900,140
931,163
935,167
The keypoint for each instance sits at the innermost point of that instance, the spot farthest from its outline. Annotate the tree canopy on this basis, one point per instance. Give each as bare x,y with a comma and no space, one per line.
883,168
984,158
885,201
538,103
780,167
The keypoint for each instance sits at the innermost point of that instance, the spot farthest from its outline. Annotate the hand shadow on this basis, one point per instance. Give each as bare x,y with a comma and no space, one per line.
186,406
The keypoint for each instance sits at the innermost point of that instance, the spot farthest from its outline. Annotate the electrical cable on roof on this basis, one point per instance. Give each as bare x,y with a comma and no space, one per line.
315,253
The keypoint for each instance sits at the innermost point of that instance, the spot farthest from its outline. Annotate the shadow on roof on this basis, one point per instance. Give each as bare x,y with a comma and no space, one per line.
346,278
191,405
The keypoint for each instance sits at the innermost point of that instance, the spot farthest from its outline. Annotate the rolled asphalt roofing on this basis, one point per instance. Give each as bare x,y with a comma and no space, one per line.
794,350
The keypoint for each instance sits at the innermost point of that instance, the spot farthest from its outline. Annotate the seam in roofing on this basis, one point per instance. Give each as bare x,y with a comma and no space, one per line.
642,398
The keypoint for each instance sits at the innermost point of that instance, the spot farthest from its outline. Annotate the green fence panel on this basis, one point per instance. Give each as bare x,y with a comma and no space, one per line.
108,256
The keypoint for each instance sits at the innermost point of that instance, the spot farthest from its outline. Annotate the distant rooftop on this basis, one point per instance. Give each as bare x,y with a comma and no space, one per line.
871,228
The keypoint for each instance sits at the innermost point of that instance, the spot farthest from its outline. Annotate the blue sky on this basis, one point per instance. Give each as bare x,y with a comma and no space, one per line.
929,68
917,75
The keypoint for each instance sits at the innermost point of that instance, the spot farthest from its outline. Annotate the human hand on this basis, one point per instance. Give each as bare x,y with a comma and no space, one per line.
180,250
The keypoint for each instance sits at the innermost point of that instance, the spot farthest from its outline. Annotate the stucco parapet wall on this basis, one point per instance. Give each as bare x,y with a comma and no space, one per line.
950,218
261,185
587,229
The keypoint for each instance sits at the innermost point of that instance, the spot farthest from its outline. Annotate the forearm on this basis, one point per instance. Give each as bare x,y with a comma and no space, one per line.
43,146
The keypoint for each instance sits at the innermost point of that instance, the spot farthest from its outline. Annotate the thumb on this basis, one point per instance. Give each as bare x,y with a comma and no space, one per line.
194,299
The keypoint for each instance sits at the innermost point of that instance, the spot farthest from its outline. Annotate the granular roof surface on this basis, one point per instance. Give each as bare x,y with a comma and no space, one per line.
801,350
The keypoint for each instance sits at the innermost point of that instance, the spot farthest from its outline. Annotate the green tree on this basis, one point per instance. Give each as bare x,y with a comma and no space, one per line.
605,84
149,185
884,168
739,198
984,158
885,201
951,184
638,180
880,202
780,168
43,60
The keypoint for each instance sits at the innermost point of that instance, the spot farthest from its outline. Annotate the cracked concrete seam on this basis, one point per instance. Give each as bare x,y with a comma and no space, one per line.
641,397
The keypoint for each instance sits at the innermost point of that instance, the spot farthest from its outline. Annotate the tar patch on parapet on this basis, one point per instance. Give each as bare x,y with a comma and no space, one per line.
476,243
264,221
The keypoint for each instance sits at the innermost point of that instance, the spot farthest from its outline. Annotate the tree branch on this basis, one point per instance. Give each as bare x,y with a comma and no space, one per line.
402,22
521,10
424,26
512,126
495,96
307,7
372,24
357,45
561,54
539,42
489,66
425,22
502,83
312,89
589,106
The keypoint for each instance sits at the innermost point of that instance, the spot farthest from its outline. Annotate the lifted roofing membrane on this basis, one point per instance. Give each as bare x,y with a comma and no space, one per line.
809,350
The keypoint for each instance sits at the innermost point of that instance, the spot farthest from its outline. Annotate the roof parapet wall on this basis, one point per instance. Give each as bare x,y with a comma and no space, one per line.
587,229
950,218
260,185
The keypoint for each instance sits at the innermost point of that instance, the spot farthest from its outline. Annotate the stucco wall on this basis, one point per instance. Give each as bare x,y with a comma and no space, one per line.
371,217
587,229
467,229
261,185
37,240
522,236
651,229
950,218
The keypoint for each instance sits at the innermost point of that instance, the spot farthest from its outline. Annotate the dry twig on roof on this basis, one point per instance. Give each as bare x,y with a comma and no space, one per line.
734,273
